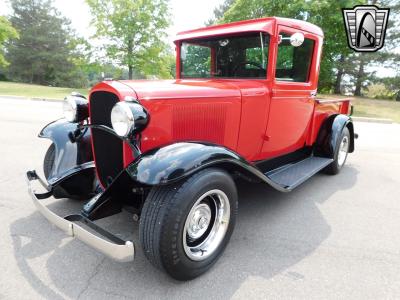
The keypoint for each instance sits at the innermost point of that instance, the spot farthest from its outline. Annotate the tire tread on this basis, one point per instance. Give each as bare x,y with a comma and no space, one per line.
159,206
48,161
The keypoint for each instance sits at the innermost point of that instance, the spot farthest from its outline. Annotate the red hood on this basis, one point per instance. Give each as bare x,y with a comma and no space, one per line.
180,89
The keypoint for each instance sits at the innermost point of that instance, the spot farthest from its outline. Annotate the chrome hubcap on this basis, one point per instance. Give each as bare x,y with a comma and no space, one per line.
206,225
199,221
343,150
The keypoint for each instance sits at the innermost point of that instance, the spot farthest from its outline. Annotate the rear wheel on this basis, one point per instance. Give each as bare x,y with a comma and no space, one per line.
48,162
184,228
341,152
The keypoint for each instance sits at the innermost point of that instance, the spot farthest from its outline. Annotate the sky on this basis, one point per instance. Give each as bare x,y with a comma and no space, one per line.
186,14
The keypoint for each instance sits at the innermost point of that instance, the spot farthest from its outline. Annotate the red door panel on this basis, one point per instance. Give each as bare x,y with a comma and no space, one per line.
254,117
292,101
288,125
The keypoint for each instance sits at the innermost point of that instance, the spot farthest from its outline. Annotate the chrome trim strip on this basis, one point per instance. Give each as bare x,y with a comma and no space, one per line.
322,101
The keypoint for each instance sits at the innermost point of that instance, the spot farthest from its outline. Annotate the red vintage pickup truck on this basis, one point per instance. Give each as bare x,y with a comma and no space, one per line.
243,105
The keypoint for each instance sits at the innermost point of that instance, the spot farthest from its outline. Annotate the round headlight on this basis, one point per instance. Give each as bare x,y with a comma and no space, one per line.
69,109
128,118
122,119
75,109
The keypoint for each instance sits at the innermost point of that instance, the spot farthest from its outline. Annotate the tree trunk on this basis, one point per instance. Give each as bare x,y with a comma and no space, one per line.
130,52
130,73
339,75
31,75
360,76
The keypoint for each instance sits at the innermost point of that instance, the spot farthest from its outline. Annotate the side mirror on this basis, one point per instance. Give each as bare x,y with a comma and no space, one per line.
297,39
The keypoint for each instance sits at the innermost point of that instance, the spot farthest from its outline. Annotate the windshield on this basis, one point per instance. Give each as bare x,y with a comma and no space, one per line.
243,56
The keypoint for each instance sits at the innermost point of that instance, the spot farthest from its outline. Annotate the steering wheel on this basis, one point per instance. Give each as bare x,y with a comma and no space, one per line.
255,64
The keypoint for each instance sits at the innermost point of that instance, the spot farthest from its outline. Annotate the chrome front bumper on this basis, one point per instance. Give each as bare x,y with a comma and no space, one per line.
111,245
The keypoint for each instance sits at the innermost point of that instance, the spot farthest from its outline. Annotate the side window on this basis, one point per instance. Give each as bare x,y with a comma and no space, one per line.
293,63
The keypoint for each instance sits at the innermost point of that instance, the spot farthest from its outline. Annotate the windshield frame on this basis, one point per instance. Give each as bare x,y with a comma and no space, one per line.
265,48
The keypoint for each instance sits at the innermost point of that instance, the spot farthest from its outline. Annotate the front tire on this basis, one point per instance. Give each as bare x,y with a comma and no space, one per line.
48,162
185,227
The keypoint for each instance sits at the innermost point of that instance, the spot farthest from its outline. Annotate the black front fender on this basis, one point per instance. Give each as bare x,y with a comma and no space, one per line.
174,162
71,157
166,165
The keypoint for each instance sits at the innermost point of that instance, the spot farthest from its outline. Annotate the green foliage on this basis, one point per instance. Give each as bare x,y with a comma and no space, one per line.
379,91
285,55
389,56
134,33
97,71
255,55
219,12
7,32
385,88
391,83
45,52
91,66
196,61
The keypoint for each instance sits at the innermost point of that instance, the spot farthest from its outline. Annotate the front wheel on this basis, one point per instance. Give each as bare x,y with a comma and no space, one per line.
184,228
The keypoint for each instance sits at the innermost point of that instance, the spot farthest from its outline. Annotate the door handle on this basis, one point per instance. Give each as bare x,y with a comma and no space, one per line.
313,94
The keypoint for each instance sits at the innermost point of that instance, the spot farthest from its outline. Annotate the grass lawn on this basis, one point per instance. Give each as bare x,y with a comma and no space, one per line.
377,109
36,91
372,108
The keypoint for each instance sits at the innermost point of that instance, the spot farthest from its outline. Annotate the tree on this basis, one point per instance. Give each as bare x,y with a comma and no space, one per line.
44,53
7,32
220,11
134,33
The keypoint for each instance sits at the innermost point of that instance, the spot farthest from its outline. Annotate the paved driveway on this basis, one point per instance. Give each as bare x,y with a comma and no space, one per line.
333,237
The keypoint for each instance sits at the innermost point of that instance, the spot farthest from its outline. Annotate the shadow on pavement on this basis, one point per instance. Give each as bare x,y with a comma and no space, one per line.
274,231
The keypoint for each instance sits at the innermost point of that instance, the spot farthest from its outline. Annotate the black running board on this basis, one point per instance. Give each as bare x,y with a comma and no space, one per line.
292,175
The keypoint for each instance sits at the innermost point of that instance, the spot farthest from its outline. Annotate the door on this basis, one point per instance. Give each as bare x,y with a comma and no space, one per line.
292,94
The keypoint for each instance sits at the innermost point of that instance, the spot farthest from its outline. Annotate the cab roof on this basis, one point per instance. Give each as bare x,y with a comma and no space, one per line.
255,25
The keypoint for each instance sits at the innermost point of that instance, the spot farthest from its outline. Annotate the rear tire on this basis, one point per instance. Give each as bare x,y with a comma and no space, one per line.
185,227
341,152
48,162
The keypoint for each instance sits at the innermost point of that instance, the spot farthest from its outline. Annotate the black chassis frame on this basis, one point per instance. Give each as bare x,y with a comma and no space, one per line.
75,170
